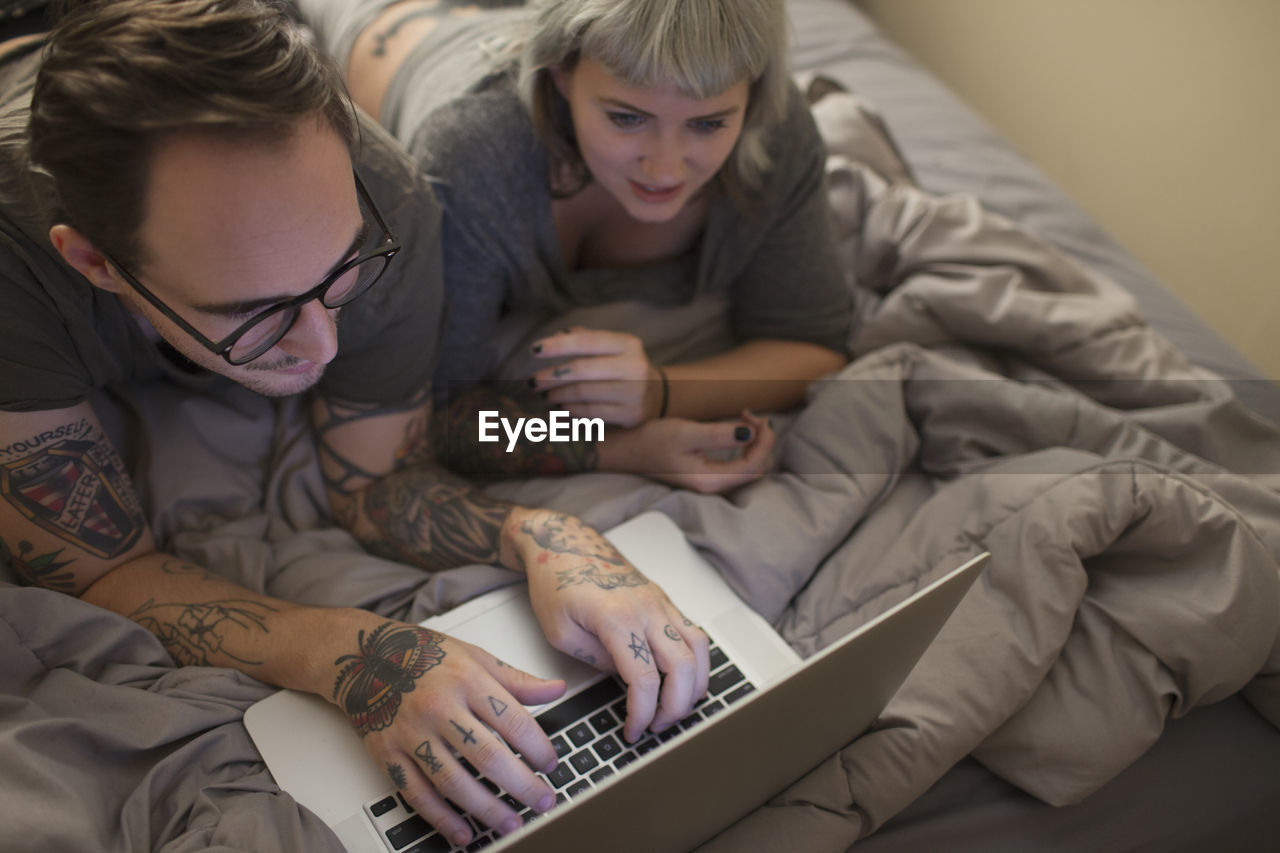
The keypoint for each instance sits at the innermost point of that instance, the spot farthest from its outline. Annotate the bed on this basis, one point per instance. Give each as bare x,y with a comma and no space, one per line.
1021,385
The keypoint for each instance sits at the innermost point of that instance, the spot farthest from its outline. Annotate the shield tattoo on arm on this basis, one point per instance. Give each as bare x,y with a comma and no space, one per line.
77,490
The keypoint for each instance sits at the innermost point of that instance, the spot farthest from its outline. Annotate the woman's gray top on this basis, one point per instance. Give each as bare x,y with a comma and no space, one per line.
771,257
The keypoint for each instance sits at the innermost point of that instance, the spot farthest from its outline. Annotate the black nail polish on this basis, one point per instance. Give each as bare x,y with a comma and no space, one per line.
742,434
533,382
537,348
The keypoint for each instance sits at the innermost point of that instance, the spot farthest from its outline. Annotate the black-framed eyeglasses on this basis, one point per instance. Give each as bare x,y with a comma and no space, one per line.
265,329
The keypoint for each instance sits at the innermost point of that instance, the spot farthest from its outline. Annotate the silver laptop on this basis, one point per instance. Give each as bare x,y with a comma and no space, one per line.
769,717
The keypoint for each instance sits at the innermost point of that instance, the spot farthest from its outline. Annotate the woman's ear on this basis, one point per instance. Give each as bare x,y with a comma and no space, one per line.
560,77
80,253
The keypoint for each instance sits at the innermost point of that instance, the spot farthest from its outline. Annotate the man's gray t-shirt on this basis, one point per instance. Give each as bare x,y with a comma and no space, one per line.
772,257
61,338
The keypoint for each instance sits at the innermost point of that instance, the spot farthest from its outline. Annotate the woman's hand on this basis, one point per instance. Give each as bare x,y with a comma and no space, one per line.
606,375
704,457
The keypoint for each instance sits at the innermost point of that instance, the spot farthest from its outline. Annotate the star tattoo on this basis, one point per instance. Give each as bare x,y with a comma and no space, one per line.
639,648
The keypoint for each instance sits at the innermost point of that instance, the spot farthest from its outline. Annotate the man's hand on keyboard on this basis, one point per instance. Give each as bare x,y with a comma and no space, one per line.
418,697
596,606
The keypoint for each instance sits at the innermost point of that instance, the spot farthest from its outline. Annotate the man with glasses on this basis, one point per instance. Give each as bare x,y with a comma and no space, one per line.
187,197
272,319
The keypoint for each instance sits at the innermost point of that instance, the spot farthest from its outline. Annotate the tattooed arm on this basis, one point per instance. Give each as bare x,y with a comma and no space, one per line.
68,512
385,488
407,691
587,597
70,521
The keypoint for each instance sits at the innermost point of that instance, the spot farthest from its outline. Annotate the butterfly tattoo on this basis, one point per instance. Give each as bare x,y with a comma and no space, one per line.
373,682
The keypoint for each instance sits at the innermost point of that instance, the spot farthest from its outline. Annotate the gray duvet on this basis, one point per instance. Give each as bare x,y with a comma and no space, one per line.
1003,398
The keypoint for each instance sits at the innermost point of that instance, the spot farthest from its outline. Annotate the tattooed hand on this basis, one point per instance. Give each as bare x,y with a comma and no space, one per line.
596,606
425,702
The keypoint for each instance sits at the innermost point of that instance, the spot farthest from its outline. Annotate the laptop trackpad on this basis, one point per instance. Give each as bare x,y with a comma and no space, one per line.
357,835
753,645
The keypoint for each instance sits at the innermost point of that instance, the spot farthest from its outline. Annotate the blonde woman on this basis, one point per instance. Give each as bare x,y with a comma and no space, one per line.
589,152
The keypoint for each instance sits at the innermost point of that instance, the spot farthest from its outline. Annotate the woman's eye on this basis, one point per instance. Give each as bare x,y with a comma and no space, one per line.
625,120
707,126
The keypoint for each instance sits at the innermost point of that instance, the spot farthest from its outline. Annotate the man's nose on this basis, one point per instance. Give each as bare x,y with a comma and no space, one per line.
314,336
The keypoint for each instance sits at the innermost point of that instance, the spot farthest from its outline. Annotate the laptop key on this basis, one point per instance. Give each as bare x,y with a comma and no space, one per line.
382,806
740,692
410,830
561,746
561,776
578,787
607,748
601,774
574,708
583,761
624,759
603,722
723,680
712,708
691,721
581,734
479,844
644,747
718,658
432,844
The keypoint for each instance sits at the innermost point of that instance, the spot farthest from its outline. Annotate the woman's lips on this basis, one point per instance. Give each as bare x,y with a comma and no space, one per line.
655,195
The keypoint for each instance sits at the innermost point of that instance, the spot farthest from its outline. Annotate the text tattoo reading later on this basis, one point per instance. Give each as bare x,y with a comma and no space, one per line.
556,427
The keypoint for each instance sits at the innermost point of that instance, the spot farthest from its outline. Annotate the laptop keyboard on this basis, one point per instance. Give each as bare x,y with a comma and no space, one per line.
586,731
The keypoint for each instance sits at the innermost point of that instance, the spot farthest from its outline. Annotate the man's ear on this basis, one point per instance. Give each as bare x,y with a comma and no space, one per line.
76,250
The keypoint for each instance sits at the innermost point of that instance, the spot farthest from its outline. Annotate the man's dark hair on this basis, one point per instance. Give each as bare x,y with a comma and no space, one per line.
119,76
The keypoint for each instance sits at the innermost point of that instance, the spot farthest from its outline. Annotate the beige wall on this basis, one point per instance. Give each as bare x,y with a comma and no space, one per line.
1160,117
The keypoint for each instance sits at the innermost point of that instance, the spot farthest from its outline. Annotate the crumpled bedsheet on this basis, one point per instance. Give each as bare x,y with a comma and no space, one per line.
1003,398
